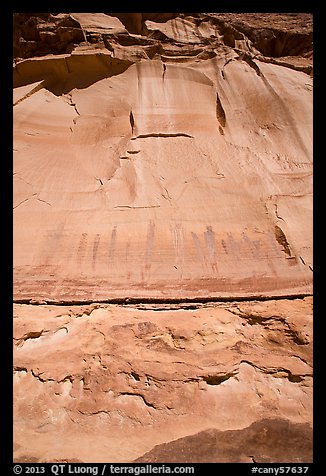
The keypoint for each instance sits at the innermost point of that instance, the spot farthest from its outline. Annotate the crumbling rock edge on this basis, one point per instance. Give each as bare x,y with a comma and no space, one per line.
158,300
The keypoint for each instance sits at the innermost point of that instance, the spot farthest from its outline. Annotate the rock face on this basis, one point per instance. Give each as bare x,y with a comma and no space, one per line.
163,237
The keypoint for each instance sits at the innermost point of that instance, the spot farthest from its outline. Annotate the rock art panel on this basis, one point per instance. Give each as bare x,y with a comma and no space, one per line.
184,170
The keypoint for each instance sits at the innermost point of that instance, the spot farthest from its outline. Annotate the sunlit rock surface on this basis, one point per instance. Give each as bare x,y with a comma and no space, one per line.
159,160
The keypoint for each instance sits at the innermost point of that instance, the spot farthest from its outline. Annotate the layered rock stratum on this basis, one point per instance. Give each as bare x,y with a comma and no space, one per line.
163,237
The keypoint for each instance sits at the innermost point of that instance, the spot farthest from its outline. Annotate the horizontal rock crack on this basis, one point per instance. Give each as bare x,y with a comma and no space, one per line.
162,134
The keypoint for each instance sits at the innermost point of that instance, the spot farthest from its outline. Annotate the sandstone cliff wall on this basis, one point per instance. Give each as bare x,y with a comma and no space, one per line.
162,160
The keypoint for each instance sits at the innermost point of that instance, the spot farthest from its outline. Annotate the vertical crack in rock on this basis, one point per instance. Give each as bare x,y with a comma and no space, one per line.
243,56
73,104
164,70
276,212
223,67
220,114
132,121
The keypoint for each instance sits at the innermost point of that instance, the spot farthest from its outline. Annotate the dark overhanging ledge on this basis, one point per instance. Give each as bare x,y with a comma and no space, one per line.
162,134
158,300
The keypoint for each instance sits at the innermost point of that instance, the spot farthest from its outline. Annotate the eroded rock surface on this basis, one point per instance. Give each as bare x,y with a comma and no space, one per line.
261,442
141,376
163,161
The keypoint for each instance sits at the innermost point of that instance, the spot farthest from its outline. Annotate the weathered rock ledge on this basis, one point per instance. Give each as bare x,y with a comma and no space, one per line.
213,382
